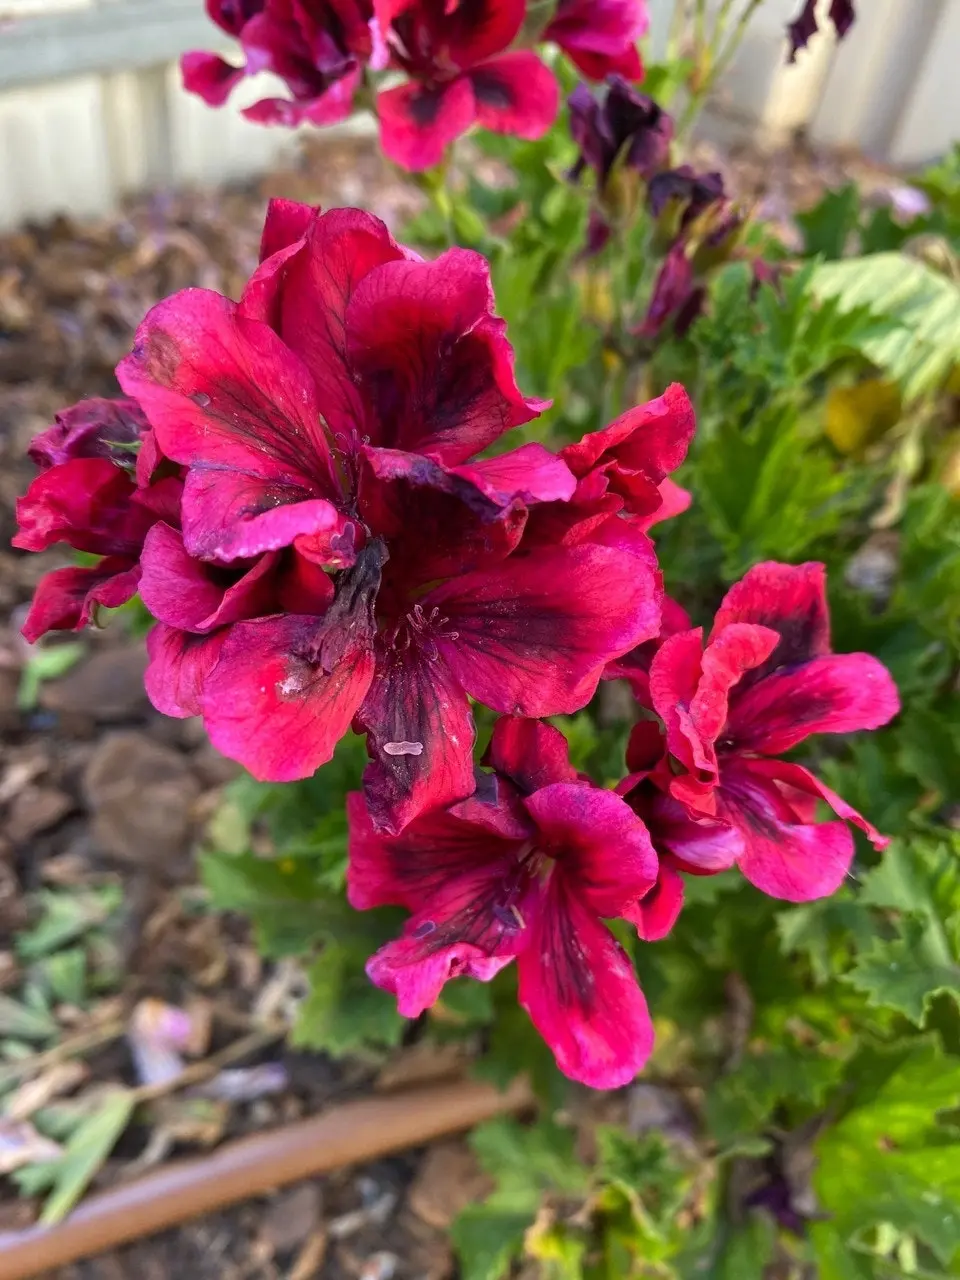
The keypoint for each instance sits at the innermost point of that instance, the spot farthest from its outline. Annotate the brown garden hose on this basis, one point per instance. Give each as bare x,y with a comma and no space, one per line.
348,1134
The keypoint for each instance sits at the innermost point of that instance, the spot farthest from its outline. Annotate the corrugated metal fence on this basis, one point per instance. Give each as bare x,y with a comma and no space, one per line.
91,105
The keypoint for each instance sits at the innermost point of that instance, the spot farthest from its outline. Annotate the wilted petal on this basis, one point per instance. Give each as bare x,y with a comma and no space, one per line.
66,599
86,503
94,428
535,632
581,993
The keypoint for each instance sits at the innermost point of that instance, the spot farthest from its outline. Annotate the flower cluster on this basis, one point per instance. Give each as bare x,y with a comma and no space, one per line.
308,522
530,866
625,140
463,63
304,487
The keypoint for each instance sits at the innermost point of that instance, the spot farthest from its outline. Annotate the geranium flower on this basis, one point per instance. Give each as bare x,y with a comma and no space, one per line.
331,416
764,682
600,36
86,497
459,75
804,25
624,128
622,474
526,870
316,47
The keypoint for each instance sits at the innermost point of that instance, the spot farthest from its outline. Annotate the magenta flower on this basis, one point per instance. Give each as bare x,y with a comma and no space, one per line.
600,36
622,474
339,557
86,497
460,74
764,682
316,47
623,128
526,870
804,25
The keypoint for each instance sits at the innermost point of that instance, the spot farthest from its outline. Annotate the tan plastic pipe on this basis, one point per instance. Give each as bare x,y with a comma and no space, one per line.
348,1134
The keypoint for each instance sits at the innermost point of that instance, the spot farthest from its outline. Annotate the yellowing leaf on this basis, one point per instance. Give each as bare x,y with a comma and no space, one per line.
856,416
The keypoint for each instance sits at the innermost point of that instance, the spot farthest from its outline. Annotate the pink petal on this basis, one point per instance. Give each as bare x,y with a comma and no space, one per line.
515,94
839,693
673,502
600,35
475,31
310,302
535,632
195,596
270,704
286,223
417,123
209,76
656,913
530,473
461,929
235,515
420,736
179,664
433,359
791,599
602,849
437,523
794,776
327,108
581,993
66,599
407,870
787,859
530,753
222,390
86,503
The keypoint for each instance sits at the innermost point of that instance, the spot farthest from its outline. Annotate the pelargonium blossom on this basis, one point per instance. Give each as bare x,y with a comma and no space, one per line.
527,870
316,47
600,36
765,680
338,556
461,72
87,497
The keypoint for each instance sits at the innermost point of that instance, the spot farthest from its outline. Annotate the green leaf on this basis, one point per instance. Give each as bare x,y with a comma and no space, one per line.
923,344
344,1012
65,917
828,225
826,932
22,1023
46,664
487,1238
528,1160
887,1159
86,1151
904,974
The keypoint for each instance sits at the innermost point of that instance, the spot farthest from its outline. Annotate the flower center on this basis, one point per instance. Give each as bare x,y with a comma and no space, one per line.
421,629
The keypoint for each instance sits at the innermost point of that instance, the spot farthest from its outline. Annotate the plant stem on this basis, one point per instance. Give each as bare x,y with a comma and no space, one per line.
718,65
